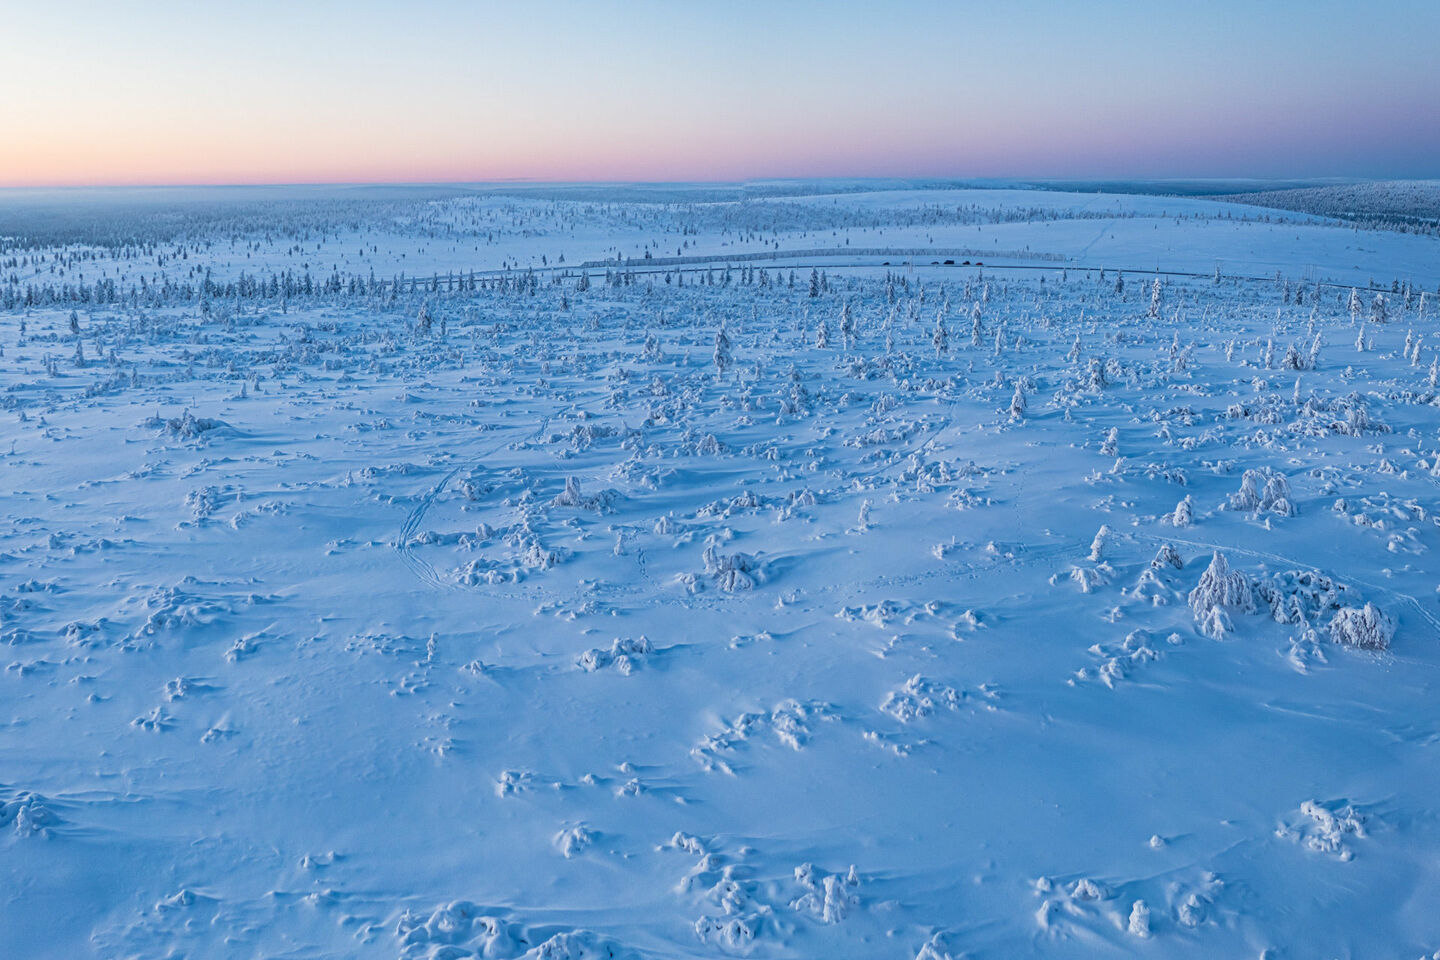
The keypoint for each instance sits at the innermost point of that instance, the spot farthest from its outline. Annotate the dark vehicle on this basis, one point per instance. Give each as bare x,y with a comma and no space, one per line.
934,263
949,263
885,264
965,264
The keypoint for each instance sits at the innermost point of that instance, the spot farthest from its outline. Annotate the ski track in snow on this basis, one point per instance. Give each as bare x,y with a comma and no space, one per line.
421,567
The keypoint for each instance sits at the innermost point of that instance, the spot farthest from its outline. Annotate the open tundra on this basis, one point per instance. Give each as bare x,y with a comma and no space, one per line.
767,588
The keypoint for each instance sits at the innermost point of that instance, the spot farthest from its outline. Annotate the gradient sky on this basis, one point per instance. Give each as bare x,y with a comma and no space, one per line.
291,91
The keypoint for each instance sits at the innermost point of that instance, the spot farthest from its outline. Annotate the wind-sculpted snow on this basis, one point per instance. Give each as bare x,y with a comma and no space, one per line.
761,610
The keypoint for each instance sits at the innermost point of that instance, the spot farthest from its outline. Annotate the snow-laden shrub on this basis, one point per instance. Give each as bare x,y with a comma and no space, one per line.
185,427
1301,596
1355,419
828,897
1184,513
27,813
453,924
1088,578
934,949
1366,627
1249,496
622,655
1167,556
920,697
574,840
1321,829
732,572
1216,624
571,497
1264,490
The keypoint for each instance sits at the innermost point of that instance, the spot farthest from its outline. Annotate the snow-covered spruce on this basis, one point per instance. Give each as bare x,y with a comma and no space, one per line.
1263,490
1220,593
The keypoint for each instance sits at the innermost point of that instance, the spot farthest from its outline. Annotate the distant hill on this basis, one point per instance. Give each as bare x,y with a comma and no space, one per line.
1402,204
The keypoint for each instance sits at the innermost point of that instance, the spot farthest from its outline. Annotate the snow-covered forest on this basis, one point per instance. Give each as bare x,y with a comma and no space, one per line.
789,571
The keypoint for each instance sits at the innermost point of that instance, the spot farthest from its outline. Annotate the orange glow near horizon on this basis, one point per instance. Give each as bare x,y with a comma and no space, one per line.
370,91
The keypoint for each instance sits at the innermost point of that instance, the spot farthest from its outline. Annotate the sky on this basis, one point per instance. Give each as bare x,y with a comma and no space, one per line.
95,92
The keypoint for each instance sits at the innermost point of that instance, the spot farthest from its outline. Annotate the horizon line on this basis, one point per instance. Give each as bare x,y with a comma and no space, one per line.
829,178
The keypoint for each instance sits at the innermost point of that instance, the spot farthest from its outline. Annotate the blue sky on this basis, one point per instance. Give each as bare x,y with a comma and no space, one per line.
266,91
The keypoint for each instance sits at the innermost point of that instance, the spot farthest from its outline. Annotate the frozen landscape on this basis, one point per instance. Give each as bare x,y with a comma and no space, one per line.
796,569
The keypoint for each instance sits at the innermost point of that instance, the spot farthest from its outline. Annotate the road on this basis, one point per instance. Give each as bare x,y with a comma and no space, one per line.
829,264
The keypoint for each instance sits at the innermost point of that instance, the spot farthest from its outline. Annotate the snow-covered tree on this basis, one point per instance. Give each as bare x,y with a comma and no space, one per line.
1184,513
1263,490
1220,591
1095,376
722,356
1366,627
1097,545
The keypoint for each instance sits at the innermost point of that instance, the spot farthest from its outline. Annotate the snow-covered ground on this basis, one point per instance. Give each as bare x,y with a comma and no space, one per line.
887,612
151,245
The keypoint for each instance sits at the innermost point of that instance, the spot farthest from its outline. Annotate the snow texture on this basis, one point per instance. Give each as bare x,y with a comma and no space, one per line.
752,581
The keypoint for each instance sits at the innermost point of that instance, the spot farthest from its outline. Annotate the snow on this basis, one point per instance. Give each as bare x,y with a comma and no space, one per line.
635,619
